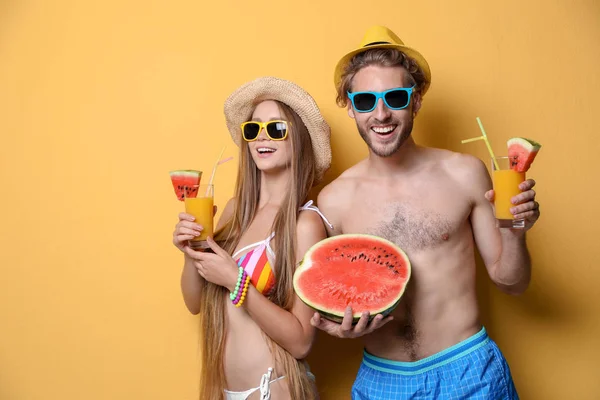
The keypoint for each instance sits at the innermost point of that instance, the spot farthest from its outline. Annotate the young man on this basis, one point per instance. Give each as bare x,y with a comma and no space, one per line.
437,206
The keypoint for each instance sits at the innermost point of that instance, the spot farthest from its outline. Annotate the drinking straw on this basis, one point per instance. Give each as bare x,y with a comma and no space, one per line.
485,139
217,163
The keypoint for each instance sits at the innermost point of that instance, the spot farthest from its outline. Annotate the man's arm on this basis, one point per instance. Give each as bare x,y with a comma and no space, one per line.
504,251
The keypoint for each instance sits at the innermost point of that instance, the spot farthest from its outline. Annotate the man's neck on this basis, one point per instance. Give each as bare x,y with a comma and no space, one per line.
401,161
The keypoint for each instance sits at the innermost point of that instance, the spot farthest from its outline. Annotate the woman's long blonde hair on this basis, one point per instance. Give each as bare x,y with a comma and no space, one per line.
212,306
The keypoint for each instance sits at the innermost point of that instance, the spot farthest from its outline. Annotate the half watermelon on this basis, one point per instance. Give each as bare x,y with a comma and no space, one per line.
365,272
521,153
185,181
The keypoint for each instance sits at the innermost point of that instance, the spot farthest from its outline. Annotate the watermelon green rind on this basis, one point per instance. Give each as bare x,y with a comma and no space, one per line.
187,173
528,144
337,315
356,316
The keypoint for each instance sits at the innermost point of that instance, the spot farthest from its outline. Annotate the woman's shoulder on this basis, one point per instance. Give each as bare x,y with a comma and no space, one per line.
310,221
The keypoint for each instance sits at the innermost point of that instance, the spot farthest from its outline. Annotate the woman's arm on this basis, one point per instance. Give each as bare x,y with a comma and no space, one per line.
291,330
191,280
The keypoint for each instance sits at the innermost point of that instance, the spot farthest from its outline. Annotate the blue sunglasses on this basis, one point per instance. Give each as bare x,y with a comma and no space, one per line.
394,99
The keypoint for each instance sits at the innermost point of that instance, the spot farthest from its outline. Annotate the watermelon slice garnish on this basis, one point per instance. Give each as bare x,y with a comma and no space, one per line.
185,182
521,153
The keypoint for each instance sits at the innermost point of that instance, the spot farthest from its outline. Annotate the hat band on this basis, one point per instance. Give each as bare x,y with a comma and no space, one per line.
375,43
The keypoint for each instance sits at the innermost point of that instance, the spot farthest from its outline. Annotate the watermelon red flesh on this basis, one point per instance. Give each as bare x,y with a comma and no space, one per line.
365,272
521,153
185,182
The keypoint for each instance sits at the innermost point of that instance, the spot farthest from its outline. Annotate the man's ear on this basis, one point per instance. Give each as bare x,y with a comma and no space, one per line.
350,109
416,103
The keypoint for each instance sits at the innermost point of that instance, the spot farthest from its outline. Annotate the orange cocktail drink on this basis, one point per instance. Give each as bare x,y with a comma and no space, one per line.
201,207
506,186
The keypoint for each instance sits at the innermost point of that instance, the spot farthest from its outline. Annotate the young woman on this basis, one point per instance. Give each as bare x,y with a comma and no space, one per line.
256,331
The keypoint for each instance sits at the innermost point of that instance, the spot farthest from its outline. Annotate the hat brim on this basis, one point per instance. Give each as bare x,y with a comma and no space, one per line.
240,105
410,52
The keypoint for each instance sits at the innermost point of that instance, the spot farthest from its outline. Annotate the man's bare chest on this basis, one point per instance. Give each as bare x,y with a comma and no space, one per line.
415,223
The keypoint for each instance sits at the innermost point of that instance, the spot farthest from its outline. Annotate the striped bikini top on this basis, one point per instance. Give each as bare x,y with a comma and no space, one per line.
258,262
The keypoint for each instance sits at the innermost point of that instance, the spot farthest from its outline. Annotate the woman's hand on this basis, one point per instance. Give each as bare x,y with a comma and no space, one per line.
186,229
218,267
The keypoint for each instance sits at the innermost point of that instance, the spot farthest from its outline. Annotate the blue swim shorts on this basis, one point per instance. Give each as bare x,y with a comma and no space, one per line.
472,369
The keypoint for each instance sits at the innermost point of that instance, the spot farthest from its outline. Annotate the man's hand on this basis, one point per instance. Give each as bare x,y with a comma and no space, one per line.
524,205
345,329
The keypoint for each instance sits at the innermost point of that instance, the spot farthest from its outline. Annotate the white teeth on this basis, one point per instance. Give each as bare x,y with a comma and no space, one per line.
262,150
385,129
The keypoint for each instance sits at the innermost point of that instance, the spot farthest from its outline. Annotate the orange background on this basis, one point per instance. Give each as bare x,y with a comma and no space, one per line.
99,100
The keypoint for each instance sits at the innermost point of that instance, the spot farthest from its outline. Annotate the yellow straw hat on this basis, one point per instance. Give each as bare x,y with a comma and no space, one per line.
380,37
241,103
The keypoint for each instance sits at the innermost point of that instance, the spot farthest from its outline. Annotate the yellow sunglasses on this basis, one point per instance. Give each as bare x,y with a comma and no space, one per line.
276,129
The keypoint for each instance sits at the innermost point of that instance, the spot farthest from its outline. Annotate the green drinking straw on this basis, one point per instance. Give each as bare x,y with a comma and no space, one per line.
485,139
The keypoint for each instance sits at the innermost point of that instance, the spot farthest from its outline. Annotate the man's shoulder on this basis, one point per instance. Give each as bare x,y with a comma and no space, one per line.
334,200
466,171
467,166
455,163
342,186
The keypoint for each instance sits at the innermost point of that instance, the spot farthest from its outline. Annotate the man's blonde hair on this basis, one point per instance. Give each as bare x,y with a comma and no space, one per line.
383,58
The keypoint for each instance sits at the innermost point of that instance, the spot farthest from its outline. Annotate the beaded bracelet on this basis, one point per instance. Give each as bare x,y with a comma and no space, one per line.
241,274
242,295
239,293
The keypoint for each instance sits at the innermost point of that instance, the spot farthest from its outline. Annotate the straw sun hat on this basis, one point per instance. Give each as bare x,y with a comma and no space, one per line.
241,103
